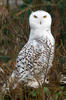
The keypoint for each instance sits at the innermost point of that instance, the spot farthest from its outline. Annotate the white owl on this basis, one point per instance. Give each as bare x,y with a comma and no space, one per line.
35,58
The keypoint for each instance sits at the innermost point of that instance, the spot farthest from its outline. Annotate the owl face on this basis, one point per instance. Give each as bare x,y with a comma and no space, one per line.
40,20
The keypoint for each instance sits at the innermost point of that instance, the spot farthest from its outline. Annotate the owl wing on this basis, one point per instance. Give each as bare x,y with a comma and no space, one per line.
29,60
52,47
32,61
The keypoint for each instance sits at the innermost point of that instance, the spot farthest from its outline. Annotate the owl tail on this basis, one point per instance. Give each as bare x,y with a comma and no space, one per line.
10,84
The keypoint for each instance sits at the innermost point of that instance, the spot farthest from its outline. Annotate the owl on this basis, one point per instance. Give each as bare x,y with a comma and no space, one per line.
36,57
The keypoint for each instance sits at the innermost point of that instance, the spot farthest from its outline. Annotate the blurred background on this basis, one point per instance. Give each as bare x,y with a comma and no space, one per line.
14,33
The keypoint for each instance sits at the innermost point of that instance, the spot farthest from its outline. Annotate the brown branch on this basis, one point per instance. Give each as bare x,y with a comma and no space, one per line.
33,6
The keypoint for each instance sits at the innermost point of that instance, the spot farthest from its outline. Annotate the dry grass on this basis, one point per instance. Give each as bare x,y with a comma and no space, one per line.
14,33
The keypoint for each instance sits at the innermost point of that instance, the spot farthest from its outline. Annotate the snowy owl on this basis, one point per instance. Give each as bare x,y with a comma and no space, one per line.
35,58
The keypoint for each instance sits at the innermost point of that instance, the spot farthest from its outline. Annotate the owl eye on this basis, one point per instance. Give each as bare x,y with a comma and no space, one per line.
35,16
45,16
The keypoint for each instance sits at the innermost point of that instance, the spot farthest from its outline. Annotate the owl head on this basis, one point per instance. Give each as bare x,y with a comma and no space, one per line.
40,20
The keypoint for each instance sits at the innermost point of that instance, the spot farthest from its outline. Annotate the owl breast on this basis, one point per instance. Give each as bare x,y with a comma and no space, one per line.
33,59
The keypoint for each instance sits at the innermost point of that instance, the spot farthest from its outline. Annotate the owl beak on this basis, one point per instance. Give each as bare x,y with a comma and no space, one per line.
40,22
